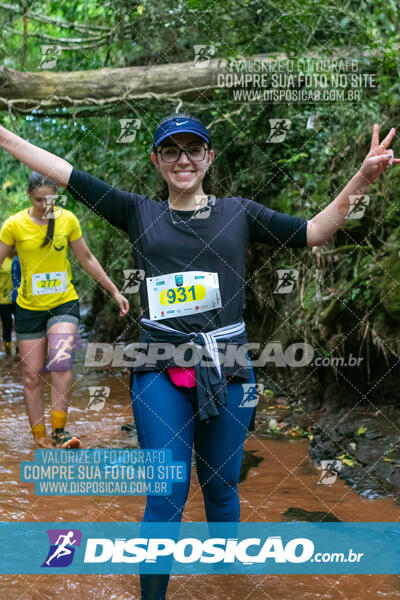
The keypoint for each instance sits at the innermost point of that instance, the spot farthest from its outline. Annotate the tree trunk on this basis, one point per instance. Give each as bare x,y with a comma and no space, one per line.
25,91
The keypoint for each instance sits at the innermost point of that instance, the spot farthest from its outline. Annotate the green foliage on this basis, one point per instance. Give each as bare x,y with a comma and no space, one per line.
390,286
347,460
299,176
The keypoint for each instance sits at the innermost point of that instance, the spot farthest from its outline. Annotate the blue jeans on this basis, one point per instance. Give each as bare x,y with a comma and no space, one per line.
165,418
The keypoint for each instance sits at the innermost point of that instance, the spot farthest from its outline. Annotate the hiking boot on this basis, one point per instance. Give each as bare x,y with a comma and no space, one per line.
63,439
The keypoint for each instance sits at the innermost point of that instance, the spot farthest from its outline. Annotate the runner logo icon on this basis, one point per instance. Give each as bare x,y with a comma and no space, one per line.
50,55
287,280
279,129
203,54
329,471
129,128
133,278
251,391
98,396
62,542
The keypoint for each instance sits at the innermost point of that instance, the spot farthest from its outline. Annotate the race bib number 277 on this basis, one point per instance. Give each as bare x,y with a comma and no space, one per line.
49,283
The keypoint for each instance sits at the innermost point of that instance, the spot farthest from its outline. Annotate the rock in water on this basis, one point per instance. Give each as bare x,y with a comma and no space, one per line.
314,516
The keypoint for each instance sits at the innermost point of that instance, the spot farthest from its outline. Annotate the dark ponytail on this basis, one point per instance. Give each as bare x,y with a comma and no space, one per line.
36,180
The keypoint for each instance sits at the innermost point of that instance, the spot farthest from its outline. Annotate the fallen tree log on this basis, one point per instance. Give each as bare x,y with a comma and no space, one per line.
110,87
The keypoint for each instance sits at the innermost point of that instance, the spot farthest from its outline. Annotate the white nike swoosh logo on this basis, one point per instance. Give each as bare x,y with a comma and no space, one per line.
183,122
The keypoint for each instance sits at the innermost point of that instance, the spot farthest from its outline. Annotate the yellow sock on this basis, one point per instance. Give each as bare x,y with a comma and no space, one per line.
58,419
39,431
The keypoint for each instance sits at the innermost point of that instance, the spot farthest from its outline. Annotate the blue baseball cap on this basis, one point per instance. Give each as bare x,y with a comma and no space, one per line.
180,124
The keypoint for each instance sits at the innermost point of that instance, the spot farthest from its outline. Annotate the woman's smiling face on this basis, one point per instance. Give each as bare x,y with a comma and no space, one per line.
183,175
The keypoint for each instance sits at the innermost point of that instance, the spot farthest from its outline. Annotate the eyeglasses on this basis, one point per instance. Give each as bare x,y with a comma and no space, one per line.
194,152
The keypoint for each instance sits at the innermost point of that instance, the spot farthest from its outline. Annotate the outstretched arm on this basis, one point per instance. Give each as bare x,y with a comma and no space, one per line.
112,204
36,158
90,263
322,227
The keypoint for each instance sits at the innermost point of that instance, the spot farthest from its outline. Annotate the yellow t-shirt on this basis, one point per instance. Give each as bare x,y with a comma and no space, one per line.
6,284
46,279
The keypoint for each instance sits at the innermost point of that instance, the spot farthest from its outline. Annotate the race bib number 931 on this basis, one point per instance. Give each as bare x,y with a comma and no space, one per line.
178,294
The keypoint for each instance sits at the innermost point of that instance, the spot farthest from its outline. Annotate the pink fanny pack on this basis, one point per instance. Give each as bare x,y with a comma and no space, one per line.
182,376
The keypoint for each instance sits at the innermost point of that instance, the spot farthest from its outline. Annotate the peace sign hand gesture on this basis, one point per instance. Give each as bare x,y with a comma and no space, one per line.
379,156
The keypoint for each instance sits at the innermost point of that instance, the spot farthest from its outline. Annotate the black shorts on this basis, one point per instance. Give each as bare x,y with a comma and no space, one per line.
32,324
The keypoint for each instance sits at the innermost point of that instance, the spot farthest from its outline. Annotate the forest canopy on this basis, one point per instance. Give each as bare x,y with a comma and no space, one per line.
74,74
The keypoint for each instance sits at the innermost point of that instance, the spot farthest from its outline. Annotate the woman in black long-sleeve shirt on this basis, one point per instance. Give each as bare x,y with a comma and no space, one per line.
192,250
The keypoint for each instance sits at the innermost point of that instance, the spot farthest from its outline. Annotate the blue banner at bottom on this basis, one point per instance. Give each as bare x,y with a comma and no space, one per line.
200,548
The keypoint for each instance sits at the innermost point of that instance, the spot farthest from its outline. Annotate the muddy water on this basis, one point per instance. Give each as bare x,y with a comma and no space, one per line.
277,476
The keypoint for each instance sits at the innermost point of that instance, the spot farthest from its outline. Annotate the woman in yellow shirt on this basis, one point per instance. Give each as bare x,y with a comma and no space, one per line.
47,313
6,305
